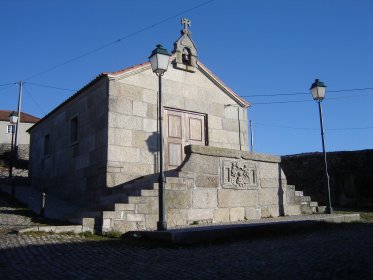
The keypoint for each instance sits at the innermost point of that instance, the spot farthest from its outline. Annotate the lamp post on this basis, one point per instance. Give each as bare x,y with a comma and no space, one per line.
13,118
318,90
159,60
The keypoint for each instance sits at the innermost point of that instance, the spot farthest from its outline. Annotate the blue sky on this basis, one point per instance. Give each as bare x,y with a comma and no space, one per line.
265,47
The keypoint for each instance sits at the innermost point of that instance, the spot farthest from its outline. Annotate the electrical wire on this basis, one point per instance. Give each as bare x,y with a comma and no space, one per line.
8,84
33,100
104,46
48,86
305,93
315,129
306,100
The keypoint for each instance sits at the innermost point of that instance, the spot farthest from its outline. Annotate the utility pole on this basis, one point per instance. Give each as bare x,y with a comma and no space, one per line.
18,120
251,137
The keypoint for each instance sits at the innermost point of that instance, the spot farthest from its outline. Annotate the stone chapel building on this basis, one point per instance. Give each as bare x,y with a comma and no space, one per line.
99,149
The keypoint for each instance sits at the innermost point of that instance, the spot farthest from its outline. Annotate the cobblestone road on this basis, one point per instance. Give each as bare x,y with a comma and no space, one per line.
330,252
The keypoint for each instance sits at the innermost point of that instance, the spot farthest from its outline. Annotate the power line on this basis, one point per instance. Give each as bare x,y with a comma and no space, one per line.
306,93
48,86
350,128
33,100
286,127
8,84
306,100
316,129
280,102
121,39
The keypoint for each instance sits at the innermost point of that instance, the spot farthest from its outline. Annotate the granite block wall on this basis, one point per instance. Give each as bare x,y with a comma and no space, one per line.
132,132
74,170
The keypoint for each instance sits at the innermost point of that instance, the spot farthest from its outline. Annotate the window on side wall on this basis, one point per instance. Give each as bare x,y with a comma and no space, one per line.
10,128
47,145
74,126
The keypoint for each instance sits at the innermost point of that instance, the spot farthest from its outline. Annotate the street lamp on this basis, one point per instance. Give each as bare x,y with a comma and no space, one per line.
159,60
13,118
318,90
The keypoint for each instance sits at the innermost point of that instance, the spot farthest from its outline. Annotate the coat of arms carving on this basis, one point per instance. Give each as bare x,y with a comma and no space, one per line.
238,175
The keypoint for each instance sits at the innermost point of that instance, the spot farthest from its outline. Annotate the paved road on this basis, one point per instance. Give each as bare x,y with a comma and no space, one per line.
331,252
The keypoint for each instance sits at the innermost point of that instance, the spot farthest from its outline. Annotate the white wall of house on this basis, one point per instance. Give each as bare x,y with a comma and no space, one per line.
23,136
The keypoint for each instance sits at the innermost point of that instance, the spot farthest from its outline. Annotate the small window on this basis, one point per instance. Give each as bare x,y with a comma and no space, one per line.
74,130
47,145
10,128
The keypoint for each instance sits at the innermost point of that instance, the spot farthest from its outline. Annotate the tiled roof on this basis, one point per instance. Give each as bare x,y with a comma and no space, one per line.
25,118
120,72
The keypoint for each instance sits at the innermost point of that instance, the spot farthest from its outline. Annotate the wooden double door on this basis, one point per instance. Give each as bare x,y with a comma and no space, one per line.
181,128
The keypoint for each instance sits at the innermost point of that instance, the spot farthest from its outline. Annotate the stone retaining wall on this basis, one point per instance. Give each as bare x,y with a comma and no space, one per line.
351,176
222,185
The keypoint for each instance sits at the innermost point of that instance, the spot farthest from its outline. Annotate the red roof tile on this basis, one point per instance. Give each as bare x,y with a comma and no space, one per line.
25,118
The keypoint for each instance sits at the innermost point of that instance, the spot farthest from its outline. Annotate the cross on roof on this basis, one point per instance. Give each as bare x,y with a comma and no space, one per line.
186,22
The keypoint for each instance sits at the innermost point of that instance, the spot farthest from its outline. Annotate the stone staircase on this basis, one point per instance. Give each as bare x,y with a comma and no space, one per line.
297,203
135,206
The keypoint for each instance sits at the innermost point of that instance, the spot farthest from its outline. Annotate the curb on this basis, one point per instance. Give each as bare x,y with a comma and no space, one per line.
57,229
213,233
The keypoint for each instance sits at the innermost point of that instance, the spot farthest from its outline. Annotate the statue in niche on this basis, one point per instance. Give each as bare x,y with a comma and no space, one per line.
187,56
185,49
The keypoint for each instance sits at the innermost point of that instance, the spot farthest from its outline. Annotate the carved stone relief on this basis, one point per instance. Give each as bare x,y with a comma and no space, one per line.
238,174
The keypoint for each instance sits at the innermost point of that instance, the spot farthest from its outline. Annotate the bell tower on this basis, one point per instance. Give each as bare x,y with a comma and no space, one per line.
185,49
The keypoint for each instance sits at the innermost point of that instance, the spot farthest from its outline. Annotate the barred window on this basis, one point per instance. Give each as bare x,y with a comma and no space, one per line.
10,128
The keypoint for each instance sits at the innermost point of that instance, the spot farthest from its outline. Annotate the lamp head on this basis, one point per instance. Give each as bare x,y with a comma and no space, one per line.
13,118
318,90
159,59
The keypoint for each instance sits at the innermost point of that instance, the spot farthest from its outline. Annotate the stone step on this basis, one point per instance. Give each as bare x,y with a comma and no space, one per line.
298,193
124,207
149,193
111,199
292,210
306,209
290,187
138,199
306,199
314,203
321,209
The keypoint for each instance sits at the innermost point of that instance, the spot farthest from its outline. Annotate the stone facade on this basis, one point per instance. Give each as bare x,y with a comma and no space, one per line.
132,132
100,149
117,129
76,170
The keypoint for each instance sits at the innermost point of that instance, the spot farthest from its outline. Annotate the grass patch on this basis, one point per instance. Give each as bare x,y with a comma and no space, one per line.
366,216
